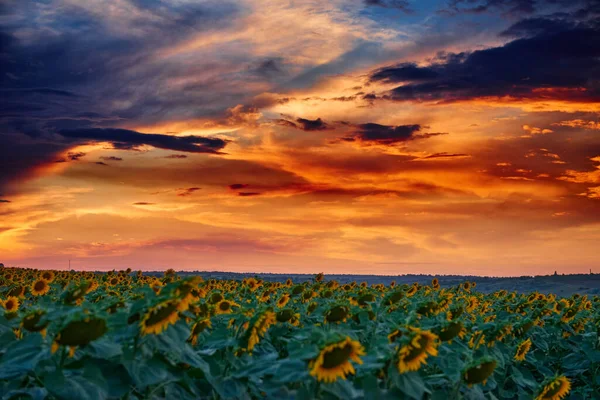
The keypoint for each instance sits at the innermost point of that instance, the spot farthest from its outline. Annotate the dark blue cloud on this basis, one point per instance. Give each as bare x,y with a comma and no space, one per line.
311,124
529,27
405,72
511,7
79,61
372,133
125,137
402,5
557,57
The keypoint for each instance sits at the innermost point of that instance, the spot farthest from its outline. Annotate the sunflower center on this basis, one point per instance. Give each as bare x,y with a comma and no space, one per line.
160,314
39,285
337,356
224,306
200,326
554,388
414,353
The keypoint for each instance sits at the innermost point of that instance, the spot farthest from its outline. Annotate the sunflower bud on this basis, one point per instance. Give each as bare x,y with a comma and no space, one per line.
479,372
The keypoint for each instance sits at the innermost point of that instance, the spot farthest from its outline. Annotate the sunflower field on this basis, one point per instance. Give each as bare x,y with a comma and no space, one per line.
128,335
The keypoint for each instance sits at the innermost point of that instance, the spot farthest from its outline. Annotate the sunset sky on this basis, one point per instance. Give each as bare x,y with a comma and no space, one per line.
343,136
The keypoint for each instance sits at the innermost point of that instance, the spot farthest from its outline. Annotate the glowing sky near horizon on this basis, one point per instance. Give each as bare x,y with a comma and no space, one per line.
343,136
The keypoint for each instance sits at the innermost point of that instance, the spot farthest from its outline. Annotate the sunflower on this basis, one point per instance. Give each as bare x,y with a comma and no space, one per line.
199,327
396,333
413,355
308,295
215,298
113,281
259,328
283,300
479,372
11,304
40,287
393,297
412,291
452,330
79,333
555,389
477,339
252,284
224,307
159,317
33,322
337,314
333,361
17,291
48,276
489,318
522,350
285,315
76,294
568,315
473,303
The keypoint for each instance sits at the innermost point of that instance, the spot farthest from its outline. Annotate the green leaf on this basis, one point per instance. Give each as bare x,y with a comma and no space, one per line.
104,348
289,370
147,372
34,393
371,388
342,389
411,384
22,356
74,387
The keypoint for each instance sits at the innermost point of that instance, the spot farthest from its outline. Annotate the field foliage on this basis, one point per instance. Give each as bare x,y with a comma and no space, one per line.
126,335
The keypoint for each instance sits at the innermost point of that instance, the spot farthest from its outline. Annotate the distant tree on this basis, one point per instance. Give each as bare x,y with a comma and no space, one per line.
1,265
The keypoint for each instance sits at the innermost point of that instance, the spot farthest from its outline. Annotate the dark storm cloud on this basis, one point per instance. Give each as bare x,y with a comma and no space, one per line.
285,122
553,64
311,125
509,7
75,156
111,158
303,123
402,5
372,133
237,186
191,144
187,191
270,68
176,156
76,71
537,26
76,63
402,73
21,157
445,155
